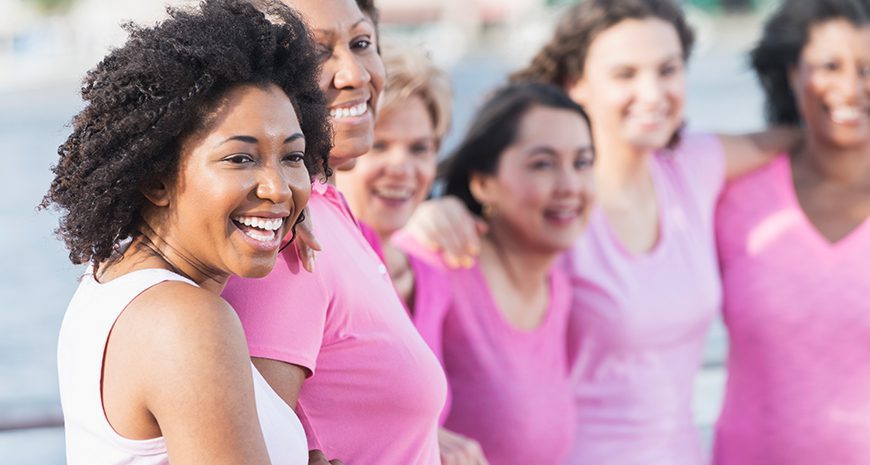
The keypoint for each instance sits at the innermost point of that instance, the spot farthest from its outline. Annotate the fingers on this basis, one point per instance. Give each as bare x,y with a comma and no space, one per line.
445,225
316,457
306,243
459,450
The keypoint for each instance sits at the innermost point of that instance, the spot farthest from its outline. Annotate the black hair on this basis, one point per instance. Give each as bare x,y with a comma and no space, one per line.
785,35
144,98
493,129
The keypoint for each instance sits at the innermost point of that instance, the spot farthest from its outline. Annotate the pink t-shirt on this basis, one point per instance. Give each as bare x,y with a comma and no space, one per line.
639,322
797,310
510,387
432,293
376,389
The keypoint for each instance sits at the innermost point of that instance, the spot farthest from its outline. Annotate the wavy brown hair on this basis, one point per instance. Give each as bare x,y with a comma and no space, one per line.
562,59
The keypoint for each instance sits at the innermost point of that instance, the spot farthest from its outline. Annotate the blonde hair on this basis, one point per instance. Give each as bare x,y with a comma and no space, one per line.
411,72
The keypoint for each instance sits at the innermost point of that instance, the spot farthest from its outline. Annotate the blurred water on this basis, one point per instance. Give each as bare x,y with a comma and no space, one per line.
38,279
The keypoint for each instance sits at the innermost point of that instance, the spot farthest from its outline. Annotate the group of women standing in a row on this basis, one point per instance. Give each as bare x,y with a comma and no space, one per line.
564,284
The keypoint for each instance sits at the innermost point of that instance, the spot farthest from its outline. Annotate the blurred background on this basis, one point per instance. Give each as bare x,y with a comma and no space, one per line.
46,46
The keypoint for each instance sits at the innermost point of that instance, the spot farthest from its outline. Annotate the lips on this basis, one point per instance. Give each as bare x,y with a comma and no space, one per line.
394,193
563,215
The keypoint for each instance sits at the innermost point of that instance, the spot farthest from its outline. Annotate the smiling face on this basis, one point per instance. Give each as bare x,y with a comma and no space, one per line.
352,77
633,86
386,185
541,193
240,187
831,84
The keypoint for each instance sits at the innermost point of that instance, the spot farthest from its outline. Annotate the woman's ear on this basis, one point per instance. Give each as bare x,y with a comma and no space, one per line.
576,88
482,188
157,193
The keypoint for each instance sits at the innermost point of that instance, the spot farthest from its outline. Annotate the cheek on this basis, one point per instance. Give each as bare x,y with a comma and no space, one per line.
327,74
677,91
425,174
375,67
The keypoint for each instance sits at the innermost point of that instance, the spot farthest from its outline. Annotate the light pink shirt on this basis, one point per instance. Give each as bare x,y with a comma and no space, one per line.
376,389
797,310
639,321
510,387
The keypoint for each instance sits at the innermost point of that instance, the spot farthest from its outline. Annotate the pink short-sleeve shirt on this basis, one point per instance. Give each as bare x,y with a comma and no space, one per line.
376,389
797,309
639,322
511,390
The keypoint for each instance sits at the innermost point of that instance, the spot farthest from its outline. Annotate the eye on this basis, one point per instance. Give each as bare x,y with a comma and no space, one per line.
669,70
864,70
379,146
239,159
294,157
421,149
362,43
624,74
831,66
322,51
541,164
584,162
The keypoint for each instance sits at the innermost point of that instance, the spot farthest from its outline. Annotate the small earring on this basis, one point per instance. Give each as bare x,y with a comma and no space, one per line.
487,210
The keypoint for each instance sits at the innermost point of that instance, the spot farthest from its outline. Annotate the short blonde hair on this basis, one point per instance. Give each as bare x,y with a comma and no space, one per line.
411,71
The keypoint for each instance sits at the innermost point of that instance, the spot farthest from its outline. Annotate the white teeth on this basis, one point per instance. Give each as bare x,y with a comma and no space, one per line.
262,236
844,115
356,110
394,193
268,224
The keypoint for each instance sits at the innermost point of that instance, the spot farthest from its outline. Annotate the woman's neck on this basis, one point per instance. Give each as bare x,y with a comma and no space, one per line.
524,268
620,168
846,167
150,250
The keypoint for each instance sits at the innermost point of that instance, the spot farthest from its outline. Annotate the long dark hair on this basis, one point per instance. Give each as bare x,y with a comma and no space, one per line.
494,128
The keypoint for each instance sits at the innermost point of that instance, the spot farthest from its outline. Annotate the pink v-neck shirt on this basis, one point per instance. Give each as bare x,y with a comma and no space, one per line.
639,322
376,390
797,310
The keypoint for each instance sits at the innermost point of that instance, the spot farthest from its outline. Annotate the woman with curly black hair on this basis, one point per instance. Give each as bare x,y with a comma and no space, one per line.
346,355
794,242
190,162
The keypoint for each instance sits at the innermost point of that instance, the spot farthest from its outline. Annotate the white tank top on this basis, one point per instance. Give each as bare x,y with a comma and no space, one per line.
90,439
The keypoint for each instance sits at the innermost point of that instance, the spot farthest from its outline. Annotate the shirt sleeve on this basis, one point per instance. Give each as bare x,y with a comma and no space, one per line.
283,314
701,157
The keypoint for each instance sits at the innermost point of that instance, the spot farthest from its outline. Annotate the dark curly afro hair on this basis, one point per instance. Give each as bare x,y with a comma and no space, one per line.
144,98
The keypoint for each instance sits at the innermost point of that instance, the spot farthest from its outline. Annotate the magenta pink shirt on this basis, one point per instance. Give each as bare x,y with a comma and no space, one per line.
797,310
639,322
510,387
376,389
432,293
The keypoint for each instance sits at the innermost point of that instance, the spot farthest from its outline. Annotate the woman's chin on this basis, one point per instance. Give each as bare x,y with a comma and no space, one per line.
347,149
259,269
